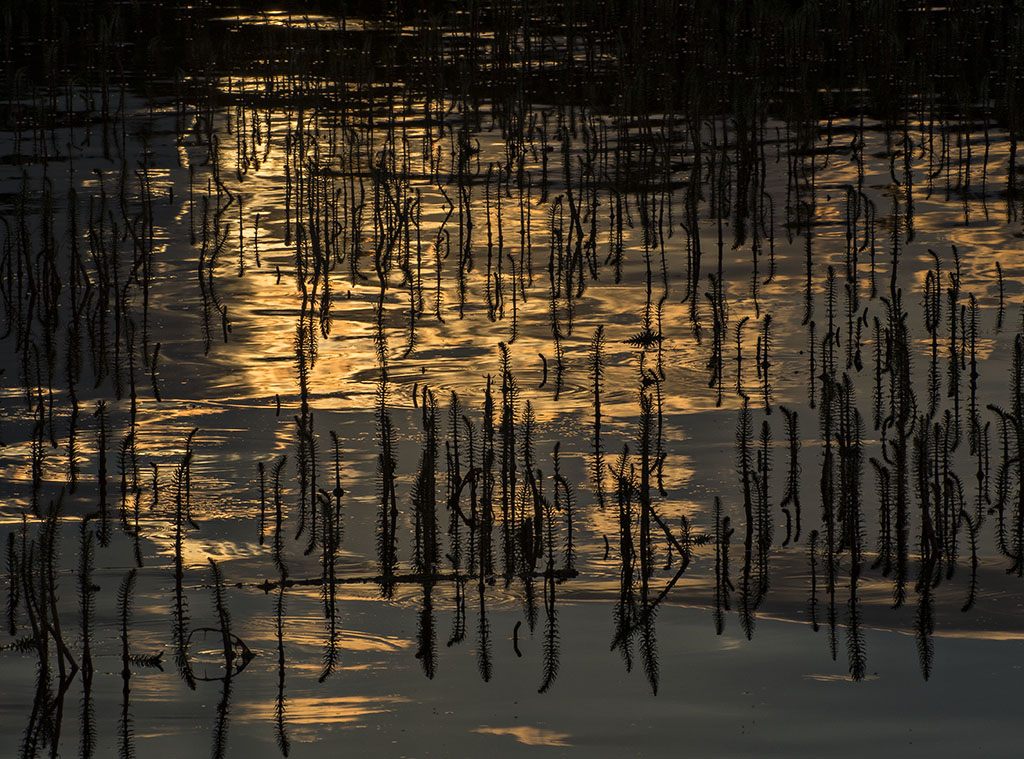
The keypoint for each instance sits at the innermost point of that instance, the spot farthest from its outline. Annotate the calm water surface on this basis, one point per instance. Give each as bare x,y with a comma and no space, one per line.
611,381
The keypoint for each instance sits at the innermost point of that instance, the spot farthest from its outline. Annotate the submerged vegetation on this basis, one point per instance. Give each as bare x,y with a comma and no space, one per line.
462,306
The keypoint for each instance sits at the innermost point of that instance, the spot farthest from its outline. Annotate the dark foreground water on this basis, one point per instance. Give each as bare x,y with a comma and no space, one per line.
609,379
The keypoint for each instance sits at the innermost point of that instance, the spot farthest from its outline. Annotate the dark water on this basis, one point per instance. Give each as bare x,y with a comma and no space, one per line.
606,378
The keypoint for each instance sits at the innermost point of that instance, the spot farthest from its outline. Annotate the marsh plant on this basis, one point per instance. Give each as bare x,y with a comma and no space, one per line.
467,303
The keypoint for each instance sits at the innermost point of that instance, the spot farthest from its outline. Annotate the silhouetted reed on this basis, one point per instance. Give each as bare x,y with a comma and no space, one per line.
86,590
745,466
236,657
812,376
931,305
764,361
551,639
739,357
596,359
87,605
306,441
531,493
180,632
791,496
388,516
426,634
38,574
426,548
101,481
508,478
483,647
624,610
898,428
723,585
719,323
563,501
1001,312
337,492
126,747
13,584
458,634
454,482
331,542
280,723
924,621
278,545
764,520
956,359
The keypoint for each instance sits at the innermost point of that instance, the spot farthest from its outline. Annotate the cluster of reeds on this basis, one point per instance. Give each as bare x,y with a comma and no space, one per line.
434,192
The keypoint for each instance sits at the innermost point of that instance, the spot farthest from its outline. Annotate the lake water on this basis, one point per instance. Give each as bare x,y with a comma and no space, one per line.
609,380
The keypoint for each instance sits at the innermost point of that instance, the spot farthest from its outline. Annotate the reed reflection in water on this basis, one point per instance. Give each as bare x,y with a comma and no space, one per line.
333,339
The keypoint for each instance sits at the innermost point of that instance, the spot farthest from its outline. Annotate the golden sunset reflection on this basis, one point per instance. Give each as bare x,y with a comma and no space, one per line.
528,735
445,380
335,711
